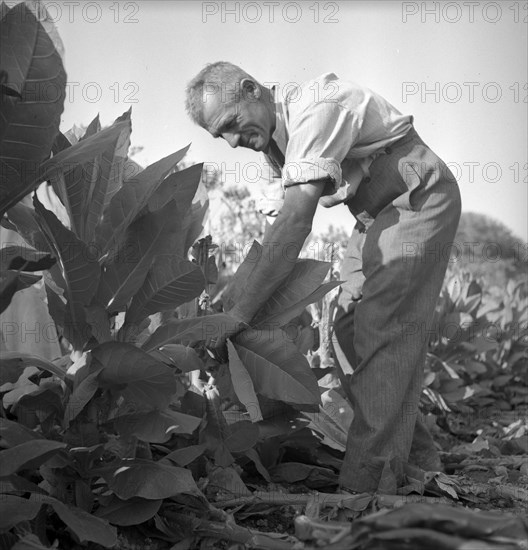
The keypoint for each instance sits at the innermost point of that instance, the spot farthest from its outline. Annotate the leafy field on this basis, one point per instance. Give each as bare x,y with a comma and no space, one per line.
138,436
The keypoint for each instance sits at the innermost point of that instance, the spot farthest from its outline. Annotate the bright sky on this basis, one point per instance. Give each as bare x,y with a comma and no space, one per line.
459,67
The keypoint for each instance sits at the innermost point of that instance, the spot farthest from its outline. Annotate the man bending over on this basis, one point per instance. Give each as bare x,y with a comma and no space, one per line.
327,142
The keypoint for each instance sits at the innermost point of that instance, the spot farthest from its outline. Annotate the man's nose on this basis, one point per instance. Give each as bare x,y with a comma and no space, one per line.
232,139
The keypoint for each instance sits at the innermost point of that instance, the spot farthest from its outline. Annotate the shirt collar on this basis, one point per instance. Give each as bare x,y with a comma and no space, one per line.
279,134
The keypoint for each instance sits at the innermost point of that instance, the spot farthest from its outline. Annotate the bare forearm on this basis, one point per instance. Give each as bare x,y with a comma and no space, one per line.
281,246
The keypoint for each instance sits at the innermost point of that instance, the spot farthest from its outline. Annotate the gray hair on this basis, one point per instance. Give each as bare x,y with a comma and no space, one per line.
221,76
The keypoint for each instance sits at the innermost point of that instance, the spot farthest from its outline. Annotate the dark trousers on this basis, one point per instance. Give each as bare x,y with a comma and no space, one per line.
407,212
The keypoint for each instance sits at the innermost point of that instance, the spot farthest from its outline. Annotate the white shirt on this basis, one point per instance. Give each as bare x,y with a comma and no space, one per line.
329,129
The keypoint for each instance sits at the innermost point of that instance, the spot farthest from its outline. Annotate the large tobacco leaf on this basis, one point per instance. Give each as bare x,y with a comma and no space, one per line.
131,199
163,229
14,362
14,434
84,187
95,126
278,370
23,258
180,186
243,385
241,436
129,512
86,526
114,171
235,290
12,282
182,357
77,157
156,426
15,509
32,90
304,279
142,380
279,318
84,151
193,222
56,303
41,406
14,260
79,269
188,194
15,458
185,455
100,323
170,282
188,331
150,480
80,397
22,219
123,275
301,288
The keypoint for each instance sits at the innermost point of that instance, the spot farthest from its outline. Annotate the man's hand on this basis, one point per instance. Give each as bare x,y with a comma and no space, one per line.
276,262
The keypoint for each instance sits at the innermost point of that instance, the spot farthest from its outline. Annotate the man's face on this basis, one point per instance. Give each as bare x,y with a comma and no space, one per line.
248,123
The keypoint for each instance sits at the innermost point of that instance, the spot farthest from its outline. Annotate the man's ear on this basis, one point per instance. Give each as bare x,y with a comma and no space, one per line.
250,89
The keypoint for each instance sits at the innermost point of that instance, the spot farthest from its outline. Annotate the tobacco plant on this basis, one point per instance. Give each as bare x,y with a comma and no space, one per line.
111,434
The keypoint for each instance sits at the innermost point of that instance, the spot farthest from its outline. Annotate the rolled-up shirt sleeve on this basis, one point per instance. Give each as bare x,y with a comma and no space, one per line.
271,193
321,134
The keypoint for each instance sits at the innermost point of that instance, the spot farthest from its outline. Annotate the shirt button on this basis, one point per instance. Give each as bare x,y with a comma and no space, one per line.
367,179
388,150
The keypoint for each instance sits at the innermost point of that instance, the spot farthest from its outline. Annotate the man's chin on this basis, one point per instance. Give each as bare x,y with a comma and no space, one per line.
256,143
258,147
